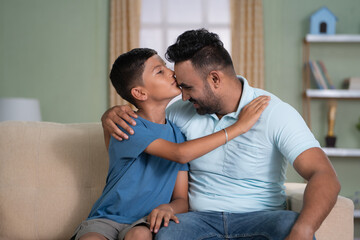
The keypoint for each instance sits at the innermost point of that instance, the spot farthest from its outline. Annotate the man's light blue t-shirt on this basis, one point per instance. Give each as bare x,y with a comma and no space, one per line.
138,182
247,173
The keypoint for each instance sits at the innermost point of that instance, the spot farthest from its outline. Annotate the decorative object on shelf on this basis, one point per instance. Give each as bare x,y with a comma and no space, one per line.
323,21
330,139
352,83
320,75
19,109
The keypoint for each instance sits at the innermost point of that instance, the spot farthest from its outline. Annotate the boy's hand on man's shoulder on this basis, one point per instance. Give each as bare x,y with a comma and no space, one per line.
118,115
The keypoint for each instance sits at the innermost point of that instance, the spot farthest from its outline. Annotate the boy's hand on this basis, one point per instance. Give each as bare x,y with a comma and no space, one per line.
120,115
251,113
162,213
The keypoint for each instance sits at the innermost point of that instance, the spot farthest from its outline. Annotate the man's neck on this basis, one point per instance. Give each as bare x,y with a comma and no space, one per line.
231,98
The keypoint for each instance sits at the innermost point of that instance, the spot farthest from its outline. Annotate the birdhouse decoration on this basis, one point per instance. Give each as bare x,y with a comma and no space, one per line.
323,21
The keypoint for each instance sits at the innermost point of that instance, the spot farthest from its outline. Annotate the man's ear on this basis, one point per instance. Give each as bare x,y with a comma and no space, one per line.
139,93
214,79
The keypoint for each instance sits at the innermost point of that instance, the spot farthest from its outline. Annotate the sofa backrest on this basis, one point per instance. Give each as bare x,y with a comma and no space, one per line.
50,176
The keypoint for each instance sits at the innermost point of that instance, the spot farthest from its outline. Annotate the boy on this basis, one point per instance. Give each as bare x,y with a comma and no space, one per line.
144,190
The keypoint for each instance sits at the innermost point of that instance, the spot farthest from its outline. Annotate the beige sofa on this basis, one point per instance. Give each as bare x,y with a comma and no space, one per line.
51,174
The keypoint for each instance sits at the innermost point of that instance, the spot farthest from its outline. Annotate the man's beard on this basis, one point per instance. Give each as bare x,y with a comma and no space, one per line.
210,103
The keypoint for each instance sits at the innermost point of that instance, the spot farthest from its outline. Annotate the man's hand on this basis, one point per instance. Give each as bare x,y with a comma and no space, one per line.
162,213
120,115
301,233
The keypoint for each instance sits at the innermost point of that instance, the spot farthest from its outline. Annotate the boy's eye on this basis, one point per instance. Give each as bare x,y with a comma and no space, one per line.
160,72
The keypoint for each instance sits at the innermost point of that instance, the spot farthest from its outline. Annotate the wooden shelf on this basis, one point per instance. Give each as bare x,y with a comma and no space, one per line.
337,38
333,93
342,152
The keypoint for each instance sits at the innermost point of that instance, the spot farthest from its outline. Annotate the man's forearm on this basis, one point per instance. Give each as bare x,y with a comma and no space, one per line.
319,198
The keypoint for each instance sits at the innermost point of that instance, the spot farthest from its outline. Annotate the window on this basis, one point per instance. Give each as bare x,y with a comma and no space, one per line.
163,20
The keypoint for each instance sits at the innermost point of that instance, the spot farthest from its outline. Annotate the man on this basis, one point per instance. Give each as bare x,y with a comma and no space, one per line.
237,190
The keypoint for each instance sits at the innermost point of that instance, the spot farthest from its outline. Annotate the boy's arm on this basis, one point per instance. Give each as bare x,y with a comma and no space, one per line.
179,204
187,151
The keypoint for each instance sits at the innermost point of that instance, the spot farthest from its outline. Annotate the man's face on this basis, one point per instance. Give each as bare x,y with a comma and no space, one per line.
195,89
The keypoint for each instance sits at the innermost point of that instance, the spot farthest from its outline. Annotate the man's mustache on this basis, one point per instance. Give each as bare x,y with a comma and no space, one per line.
192,100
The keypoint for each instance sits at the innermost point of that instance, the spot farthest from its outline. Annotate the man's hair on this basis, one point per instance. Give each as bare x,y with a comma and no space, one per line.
127,70
204,49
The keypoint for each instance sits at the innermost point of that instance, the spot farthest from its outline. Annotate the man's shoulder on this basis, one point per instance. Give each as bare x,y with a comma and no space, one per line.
180,106
180,112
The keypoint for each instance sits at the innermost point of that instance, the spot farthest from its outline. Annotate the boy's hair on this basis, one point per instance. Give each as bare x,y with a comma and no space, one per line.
204,49
127,70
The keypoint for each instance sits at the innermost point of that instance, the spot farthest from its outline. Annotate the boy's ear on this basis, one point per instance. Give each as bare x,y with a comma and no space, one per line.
214,79
139,93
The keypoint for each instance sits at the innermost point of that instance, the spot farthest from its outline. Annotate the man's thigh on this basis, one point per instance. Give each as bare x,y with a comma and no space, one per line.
260,225
264,225
194,225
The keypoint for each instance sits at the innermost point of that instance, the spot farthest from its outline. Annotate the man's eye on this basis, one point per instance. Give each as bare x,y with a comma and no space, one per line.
160,72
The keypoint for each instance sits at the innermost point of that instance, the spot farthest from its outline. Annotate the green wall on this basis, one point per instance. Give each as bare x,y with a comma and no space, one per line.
56,51
286,22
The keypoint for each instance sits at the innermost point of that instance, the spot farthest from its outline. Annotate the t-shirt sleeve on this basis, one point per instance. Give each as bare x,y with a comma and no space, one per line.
135,145
184,167
289,132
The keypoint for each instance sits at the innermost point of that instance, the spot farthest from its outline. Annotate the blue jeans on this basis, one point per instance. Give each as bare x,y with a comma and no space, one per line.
264,225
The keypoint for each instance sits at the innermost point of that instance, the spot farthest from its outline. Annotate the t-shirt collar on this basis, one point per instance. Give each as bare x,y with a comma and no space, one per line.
246,97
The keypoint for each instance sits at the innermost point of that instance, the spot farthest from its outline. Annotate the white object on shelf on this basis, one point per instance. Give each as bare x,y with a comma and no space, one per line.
342,152
332,93
340,38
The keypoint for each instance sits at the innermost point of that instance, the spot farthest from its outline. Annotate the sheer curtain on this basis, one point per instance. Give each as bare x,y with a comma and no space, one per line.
124,35
248,40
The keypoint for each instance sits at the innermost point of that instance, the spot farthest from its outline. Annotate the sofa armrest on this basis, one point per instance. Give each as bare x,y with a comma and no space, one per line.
339,224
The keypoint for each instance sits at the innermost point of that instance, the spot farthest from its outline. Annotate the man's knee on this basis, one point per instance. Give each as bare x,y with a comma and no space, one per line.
176,230
166,232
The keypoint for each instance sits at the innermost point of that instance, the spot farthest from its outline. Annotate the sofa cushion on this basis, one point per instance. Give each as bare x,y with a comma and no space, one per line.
50,176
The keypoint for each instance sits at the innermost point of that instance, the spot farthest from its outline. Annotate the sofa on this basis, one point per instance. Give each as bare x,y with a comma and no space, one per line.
52,173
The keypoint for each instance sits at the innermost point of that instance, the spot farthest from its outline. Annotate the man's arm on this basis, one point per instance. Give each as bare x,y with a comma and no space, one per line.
179,204
320,194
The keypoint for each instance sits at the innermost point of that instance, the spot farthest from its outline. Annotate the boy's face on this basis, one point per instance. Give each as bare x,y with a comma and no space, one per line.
159,80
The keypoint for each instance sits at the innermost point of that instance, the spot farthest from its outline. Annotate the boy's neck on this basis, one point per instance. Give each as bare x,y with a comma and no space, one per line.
152,113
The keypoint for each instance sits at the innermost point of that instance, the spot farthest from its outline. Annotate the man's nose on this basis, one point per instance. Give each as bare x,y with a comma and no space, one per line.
185,96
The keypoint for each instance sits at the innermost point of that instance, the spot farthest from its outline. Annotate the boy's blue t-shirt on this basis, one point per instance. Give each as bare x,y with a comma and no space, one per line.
138,182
